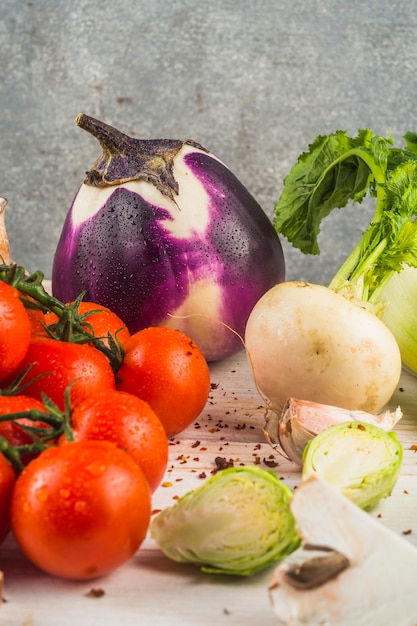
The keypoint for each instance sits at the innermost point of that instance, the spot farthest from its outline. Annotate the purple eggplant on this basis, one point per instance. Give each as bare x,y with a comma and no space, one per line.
163,233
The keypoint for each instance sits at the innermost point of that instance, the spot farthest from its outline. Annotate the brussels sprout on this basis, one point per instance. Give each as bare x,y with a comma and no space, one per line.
361,459
237,522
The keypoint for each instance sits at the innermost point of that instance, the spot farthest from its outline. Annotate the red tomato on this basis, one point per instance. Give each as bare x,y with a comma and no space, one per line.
81,510
7,481
36,318
100,320
130,423
11,431
165,368
15,330
59,363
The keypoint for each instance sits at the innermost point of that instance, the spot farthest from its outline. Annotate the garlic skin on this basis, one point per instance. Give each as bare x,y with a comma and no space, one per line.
372,585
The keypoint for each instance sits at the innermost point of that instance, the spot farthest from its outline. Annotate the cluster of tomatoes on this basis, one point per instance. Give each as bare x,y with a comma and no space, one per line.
84,443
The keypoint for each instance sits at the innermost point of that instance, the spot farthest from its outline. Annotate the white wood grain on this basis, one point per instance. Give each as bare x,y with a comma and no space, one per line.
150,589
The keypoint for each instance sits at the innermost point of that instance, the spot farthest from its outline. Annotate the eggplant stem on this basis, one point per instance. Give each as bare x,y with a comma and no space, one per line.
126,158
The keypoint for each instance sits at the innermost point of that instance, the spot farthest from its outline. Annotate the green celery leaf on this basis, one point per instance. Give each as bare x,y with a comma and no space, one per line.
335,169
411,142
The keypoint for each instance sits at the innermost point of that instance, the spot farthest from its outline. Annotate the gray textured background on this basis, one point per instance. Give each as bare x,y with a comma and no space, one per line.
253,81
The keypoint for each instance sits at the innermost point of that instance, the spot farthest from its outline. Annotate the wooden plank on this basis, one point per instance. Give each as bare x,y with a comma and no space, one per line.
150,589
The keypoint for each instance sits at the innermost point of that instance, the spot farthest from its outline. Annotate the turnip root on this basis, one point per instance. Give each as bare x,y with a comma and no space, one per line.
306,341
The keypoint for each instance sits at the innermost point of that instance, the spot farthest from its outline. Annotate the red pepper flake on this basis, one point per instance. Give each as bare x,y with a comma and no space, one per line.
379,515
222,463
257,460
270,463
95,592
413,447
406,492
166,484
175,497
178,480
214,430
182,459
202,475
196,444
156,511
214,385
407,532
196,459
203,449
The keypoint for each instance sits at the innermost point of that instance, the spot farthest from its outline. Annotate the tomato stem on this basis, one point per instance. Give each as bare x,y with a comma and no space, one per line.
71,326
58,421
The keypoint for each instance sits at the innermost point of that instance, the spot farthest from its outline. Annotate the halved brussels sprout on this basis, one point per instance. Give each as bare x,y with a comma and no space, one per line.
237,522
361,459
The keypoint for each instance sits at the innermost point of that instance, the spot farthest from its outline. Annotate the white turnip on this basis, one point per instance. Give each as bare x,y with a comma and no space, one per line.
310,342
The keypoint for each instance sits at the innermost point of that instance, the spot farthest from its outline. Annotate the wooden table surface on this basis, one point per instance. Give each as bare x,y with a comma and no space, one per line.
151,589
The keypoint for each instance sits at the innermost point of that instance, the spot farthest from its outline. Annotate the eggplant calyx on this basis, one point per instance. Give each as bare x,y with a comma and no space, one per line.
125,158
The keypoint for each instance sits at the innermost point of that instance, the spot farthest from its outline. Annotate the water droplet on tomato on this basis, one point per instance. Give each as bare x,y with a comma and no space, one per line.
80,506
42,493
96,468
